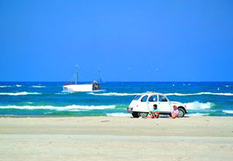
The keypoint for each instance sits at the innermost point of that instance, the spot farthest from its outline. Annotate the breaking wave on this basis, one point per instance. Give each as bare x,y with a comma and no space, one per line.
30,103
4,86
197,105
65,108
114,94
228,111
168,94
20,93
38,86
200,93
9,86
198,114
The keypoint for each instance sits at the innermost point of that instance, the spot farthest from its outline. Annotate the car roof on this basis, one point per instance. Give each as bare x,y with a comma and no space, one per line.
151,93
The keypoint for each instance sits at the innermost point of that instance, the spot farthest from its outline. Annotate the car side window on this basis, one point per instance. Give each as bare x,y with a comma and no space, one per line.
144,98
153,98
162,98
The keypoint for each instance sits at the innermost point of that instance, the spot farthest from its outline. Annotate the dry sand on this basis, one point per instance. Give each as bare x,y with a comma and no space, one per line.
116,138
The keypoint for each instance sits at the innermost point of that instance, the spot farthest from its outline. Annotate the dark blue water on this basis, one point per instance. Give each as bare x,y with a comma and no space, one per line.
48,98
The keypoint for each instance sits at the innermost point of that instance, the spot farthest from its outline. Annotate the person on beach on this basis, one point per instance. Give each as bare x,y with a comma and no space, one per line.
175,112
155,111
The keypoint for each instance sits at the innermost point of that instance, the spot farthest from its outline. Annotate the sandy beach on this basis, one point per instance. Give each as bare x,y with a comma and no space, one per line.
116,138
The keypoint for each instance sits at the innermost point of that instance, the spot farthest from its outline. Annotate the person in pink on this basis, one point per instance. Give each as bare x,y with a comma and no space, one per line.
175,112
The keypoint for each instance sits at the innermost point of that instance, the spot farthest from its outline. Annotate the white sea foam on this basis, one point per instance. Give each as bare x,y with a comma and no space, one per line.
198,114
114,94
60,108
200,93
8,86
228,111
62,93
20,93
38,86
197,105
4,86
168,94
118,114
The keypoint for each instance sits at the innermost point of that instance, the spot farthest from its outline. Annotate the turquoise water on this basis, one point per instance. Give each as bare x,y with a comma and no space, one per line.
47,98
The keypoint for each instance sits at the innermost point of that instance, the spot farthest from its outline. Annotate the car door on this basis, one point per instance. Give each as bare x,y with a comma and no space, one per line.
153,99
142,104
163,104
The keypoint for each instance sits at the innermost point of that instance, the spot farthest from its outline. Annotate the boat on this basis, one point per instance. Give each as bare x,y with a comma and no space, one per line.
75,87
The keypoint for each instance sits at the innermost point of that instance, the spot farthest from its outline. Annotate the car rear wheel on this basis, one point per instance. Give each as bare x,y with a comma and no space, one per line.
135,114
181,112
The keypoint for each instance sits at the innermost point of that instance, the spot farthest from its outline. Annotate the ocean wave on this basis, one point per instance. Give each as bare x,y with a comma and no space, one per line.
198,114
38,86
197,105
64,92
20,93
200,93
167,94
228,111
115,94
60,108
118,114
9,86
4,86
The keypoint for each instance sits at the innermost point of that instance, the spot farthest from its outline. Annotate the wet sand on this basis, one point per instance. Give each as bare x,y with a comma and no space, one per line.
116,138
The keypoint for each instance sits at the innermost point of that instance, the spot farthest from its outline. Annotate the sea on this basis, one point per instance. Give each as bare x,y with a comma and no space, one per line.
49,99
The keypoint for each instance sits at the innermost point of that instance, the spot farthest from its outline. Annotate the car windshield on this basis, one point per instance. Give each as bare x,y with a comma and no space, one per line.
153,98
162,98
137,97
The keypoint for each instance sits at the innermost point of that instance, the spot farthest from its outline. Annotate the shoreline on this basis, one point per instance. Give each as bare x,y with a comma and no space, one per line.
116,138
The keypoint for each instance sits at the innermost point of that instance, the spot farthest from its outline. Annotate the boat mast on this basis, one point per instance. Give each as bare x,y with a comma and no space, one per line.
76,74
99,76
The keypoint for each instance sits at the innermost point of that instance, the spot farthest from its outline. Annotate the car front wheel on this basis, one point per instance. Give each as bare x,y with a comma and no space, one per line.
143,114
181,112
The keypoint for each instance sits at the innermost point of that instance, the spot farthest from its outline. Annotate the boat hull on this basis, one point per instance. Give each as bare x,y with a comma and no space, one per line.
80,87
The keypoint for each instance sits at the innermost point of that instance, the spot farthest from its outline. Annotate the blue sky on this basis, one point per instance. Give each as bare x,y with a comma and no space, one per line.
129,40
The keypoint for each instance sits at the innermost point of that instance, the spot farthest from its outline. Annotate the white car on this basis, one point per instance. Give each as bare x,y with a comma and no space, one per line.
142,104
